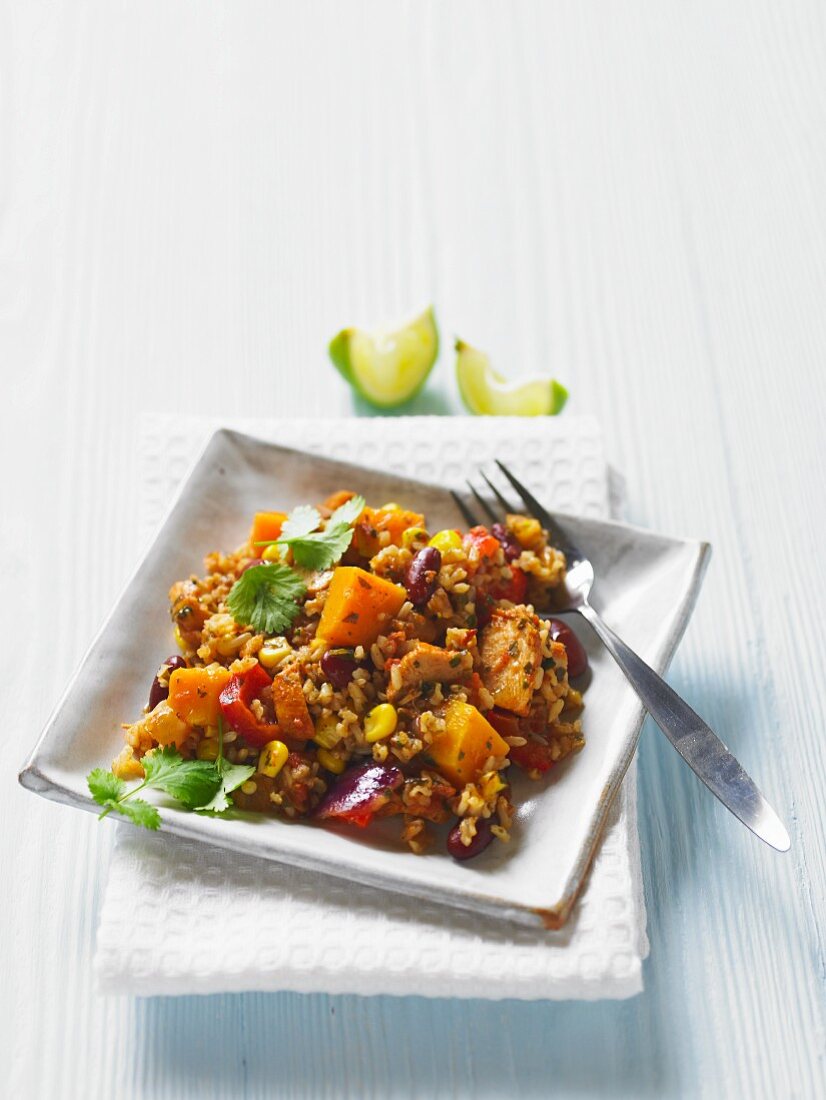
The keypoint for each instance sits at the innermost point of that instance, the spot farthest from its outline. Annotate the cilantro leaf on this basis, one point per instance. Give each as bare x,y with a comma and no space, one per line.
159,762
138,812
191,782
301,521
104,786
265,596
312,549
348,512
232,776
320,549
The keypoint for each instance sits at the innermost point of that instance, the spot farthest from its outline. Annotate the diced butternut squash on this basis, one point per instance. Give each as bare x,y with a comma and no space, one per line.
336,499
359,607
193,693
460,753
373,521
396,521
266,527
163,726
126,765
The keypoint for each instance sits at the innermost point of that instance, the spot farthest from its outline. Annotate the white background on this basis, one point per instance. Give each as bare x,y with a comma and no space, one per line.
193,197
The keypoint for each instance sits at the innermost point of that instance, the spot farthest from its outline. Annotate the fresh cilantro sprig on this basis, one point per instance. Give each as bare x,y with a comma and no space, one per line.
265,597
348,512
191,782
314,549
111,793
301,521
231,777
196,784
320,549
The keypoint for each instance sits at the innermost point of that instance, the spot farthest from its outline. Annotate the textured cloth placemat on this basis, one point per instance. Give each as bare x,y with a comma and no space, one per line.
247,924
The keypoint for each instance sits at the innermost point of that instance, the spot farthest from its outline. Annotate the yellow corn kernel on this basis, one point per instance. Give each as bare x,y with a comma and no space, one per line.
446,540
179,640
331,762
271,553
391,506
325,732
491,784
270,655
273,758
413,535
207,749
380,723
318,644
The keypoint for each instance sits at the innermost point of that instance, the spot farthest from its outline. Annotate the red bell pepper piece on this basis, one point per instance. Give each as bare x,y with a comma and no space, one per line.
534,755
479,543
515,589
236,700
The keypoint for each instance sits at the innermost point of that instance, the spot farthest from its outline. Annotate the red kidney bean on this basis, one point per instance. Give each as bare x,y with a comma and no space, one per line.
510,547
359,792
422,575
338,665
577,657
462,851
160,691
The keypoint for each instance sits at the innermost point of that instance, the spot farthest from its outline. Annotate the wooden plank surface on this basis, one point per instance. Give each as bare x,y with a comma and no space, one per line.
192,198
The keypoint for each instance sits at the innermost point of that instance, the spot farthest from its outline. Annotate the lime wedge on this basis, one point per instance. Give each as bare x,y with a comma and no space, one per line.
388,368
486,393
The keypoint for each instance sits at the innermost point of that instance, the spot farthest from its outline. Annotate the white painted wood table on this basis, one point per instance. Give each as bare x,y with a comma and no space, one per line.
192,198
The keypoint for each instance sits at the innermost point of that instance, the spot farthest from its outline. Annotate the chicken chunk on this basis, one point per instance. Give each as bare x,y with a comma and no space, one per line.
510,651
427,663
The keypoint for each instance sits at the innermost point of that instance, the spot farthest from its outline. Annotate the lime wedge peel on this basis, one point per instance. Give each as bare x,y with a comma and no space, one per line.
388,368
486,393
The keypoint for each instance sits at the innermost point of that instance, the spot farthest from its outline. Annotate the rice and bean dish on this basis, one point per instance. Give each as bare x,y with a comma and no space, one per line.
346,664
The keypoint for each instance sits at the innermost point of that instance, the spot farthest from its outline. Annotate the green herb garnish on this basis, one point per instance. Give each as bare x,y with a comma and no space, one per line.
348,512
311,548
231,777
301,521
196,784
191,782
265,597
320,549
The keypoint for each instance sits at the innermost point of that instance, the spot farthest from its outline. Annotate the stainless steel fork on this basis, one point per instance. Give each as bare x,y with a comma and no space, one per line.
695,741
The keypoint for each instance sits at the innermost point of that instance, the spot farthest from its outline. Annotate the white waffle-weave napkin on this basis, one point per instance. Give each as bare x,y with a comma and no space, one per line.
247,924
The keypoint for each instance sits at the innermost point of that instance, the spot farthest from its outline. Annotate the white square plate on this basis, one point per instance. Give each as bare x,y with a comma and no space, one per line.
646,587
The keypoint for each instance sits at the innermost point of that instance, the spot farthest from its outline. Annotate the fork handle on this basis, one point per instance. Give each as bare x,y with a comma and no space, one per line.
693,739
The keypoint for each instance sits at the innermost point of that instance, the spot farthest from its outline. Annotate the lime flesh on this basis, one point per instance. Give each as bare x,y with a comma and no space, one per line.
487,393
388,368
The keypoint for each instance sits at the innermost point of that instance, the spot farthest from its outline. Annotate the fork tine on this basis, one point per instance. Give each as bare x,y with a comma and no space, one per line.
558,535
486,508
506,504
528,498
463,508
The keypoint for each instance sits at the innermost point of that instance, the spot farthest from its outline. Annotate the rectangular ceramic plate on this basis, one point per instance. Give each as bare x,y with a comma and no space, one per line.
646,587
